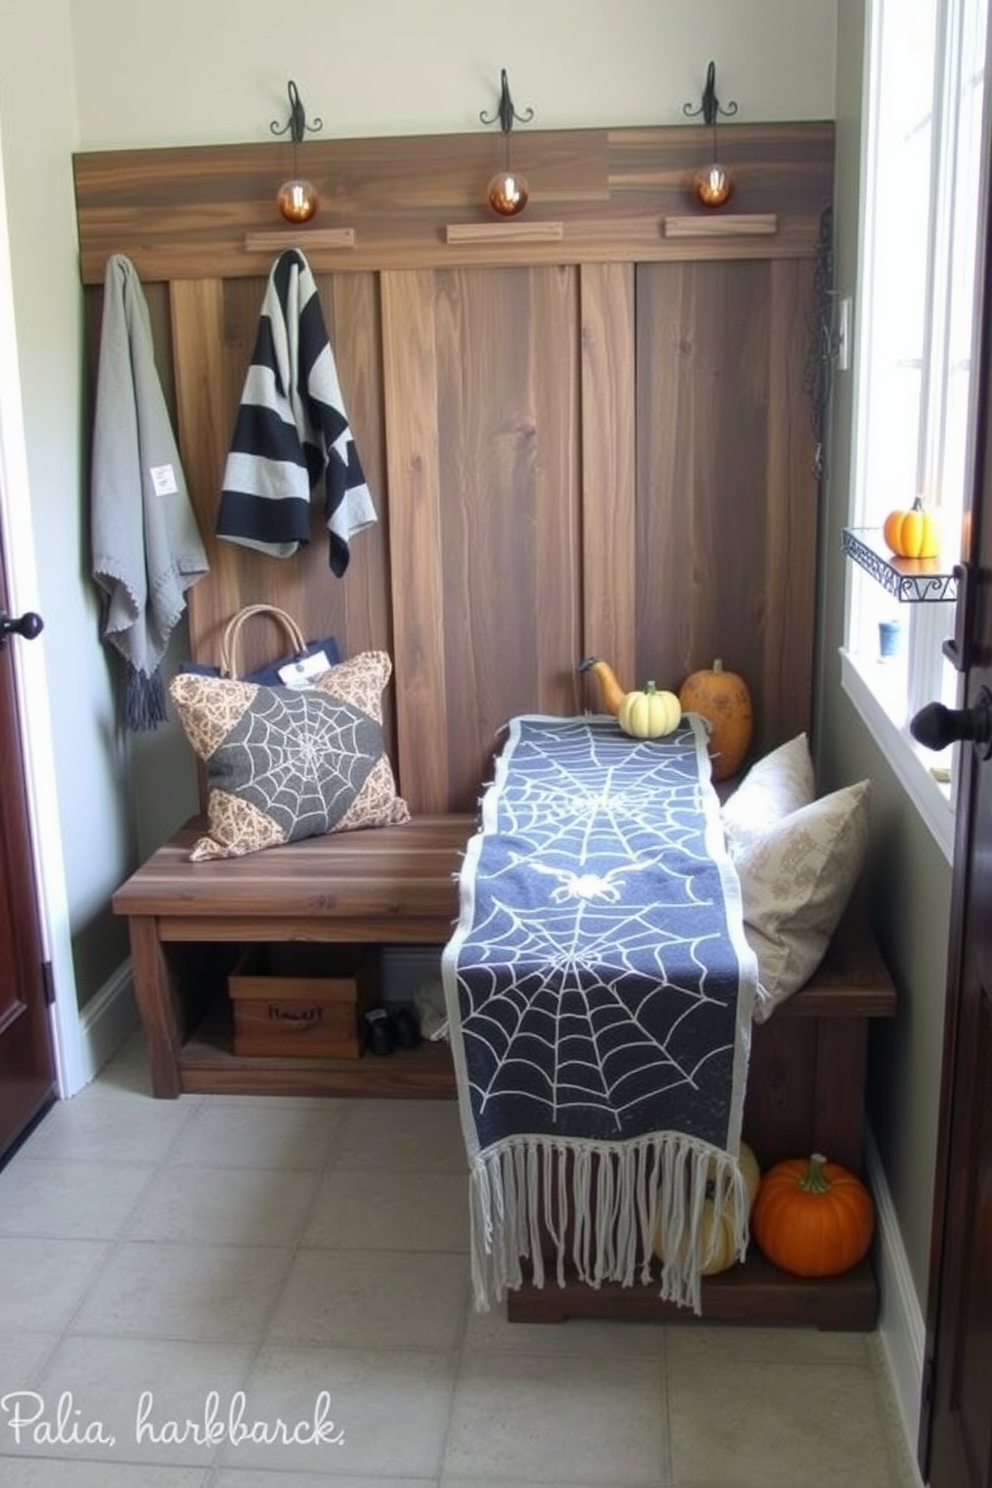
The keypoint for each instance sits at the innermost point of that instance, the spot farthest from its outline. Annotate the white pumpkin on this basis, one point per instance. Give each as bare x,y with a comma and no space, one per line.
724,1253
649,714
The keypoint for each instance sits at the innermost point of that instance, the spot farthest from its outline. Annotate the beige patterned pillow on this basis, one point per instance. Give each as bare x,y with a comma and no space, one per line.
796,880
780,783
285,763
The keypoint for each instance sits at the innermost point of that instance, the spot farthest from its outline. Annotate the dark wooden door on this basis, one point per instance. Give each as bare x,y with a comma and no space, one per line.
955,1449
27,1064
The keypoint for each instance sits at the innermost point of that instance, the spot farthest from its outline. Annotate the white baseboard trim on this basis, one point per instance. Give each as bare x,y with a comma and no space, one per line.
901,1326
106,1021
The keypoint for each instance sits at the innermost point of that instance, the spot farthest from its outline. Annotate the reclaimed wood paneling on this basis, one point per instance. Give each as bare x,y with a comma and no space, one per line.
195,212
411,401
791,508
599,444
482,436
726,499
359,605
608,468
509,439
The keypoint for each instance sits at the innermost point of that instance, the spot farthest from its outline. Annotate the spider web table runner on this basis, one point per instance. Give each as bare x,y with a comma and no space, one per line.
599,992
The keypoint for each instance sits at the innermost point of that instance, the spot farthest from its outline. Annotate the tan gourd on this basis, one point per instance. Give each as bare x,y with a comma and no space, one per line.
610,691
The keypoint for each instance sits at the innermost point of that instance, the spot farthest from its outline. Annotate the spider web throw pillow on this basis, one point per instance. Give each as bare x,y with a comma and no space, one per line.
285,763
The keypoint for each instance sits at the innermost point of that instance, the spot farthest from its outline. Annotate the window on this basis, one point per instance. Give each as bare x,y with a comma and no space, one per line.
924,182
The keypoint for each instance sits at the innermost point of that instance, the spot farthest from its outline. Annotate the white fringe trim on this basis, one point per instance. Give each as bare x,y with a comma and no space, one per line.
614,1200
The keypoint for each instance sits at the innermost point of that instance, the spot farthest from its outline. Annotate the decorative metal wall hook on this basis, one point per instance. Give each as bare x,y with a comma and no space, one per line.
714,183
297,198
505,111
296,125
508,190
710,107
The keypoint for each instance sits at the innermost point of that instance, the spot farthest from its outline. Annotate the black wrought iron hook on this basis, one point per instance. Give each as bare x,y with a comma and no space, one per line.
296,125
710,106
505,112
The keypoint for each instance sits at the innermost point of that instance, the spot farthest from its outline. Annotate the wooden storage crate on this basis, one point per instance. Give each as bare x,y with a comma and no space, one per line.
301,1000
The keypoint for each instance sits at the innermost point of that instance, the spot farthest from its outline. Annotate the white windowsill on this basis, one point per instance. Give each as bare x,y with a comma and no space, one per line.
908,764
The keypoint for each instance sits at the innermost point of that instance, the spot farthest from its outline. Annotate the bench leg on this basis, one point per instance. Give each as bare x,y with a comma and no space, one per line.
838,1096
156,1004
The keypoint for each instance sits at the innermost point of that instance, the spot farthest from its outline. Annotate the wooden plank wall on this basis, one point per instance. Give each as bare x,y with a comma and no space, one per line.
596,444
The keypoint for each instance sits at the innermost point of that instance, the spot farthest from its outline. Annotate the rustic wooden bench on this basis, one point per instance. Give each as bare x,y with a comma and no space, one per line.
387,886
398,885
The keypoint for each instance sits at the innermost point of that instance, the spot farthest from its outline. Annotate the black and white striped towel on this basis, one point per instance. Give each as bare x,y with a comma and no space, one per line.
291,430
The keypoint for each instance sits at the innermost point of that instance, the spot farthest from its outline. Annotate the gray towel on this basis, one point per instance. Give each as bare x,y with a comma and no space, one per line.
147,549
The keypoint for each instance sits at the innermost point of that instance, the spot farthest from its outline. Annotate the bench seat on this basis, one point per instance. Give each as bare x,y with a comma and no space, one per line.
387,884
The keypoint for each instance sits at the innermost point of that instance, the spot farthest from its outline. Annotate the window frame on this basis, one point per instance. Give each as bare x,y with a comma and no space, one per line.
928,623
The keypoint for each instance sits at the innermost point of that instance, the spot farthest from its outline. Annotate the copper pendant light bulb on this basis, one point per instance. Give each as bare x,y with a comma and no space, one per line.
298,200
507,193
713,185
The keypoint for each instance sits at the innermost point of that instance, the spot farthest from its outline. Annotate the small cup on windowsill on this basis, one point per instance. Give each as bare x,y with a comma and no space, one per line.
889,639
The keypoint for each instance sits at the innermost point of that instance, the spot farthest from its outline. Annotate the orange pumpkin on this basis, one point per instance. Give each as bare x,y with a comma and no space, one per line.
723,699
813,1217
912,534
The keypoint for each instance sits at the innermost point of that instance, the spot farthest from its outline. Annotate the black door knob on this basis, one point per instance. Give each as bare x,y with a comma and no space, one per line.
28,625
936,726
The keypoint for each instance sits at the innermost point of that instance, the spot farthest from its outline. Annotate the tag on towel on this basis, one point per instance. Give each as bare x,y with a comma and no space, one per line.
163,480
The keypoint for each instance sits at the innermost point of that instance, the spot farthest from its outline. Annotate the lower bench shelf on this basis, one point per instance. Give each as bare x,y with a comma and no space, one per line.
207,1066
754,1292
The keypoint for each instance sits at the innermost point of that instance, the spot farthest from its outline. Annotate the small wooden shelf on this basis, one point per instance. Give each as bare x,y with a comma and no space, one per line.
911,580
504,232
733,224
299,237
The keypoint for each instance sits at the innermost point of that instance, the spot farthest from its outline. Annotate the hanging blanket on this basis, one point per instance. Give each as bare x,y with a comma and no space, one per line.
291,430
146,547
599,991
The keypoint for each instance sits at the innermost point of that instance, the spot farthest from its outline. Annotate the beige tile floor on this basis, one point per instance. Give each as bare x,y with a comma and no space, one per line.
157,1254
